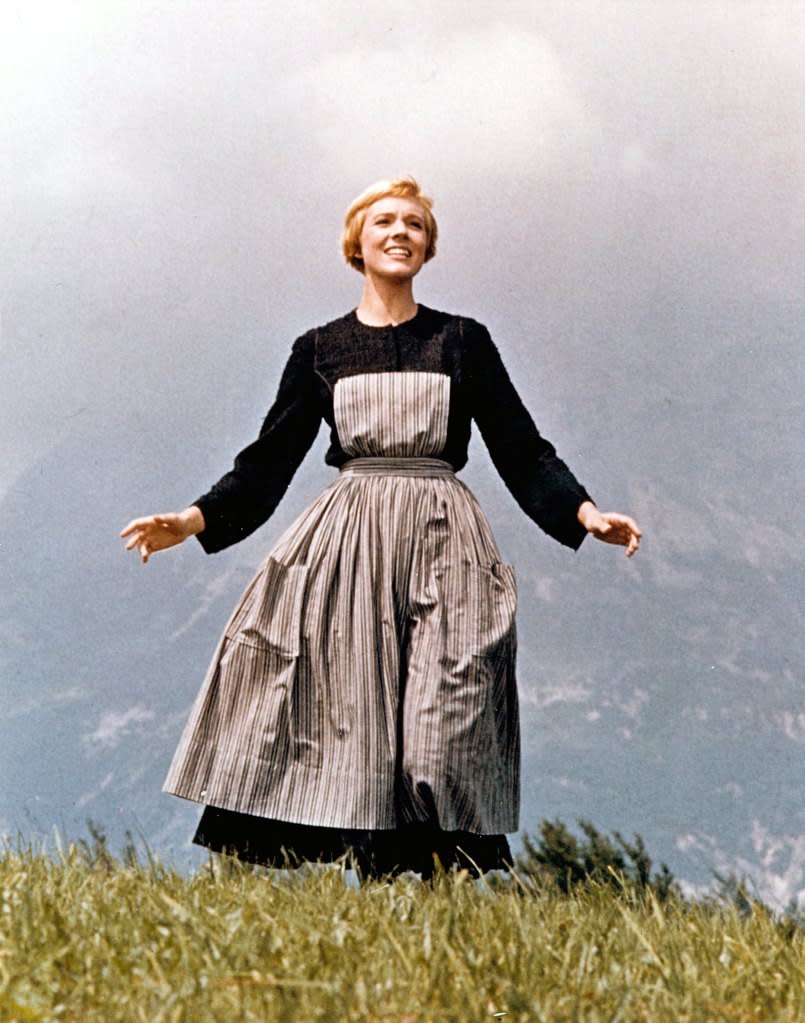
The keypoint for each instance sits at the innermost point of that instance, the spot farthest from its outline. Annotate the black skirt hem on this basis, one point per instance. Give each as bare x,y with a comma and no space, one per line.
421,848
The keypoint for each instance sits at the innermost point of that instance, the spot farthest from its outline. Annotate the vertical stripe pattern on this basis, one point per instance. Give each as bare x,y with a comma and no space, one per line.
366,678
414,410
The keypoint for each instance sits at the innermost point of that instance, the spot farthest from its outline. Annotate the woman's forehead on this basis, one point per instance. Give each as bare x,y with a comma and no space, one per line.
395,204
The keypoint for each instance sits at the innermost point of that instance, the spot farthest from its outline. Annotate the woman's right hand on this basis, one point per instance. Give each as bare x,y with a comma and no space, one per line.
158,532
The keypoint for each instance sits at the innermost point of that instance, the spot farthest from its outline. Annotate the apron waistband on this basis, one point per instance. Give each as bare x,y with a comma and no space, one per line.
397,467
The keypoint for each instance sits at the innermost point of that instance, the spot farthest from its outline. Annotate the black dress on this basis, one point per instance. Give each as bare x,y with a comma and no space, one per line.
363,695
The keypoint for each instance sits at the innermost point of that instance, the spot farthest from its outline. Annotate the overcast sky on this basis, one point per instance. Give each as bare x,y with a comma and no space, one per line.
619,183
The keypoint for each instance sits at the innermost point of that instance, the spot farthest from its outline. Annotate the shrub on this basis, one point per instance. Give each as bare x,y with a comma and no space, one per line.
559,859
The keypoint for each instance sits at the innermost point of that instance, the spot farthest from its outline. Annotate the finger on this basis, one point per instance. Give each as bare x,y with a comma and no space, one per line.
619,535
632,525
136,539
137,524
625,520
134,524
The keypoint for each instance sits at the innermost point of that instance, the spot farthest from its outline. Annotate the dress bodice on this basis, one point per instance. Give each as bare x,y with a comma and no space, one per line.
412,389
392,414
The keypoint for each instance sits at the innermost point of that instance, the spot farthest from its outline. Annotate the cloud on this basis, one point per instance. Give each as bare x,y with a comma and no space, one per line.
792,724
572,691
457,107
87,797
774,865
43,701
115,725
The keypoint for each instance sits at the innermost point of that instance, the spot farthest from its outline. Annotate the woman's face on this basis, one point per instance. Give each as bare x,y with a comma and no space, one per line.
393,238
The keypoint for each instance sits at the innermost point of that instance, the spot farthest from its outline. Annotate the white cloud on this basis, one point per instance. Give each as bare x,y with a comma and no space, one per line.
115,725
572,692
793,725
54,698
632,705
87,797
774,867
460,106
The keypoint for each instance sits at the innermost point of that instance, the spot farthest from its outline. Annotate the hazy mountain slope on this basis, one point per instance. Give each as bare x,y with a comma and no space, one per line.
661,696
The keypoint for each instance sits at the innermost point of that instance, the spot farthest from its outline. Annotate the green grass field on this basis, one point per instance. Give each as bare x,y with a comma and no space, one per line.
95,939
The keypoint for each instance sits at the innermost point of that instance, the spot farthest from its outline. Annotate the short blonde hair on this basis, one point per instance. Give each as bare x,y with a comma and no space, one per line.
398,188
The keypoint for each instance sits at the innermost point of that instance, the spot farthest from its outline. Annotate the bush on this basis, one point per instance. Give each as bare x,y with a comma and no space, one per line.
561,860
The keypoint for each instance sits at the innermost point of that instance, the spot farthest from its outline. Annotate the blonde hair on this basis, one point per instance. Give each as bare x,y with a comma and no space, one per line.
397,188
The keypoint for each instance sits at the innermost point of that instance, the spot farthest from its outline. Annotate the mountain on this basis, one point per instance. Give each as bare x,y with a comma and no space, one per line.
660,695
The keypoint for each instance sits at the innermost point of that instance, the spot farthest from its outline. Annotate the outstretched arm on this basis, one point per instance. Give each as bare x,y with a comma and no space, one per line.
158,532
246,496
542,484
611,527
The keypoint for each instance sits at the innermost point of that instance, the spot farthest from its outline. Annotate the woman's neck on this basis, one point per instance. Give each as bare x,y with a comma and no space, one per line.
386,303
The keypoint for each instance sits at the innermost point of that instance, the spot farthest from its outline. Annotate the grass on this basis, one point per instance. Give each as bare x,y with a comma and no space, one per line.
91,938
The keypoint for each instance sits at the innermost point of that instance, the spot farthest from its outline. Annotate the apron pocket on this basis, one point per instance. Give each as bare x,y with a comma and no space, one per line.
482,603
271,611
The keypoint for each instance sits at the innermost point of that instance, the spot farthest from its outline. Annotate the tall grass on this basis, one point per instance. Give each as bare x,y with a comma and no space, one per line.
91,938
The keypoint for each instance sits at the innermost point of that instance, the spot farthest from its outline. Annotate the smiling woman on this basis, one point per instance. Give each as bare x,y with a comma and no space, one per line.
362,699
393,239
384,201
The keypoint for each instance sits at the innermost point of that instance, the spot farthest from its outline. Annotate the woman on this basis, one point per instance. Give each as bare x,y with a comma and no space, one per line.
362,698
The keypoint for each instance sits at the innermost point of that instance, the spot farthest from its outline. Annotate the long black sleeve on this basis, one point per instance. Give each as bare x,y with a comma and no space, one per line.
539,480
245,497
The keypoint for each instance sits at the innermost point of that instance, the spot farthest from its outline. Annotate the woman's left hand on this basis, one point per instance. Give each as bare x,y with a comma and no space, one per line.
611,527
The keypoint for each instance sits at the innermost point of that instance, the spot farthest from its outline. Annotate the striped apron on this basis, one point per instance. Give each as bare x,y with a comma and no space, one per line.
366,677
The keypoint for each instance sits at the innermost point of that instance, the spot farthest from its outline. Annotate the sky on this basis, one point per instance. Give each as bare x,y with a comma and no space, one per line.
175,175
619,191
619,188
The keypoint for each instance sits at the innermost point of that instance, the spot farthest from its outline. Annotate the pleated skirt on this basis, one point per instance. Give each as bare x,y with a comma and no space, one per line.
363,694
